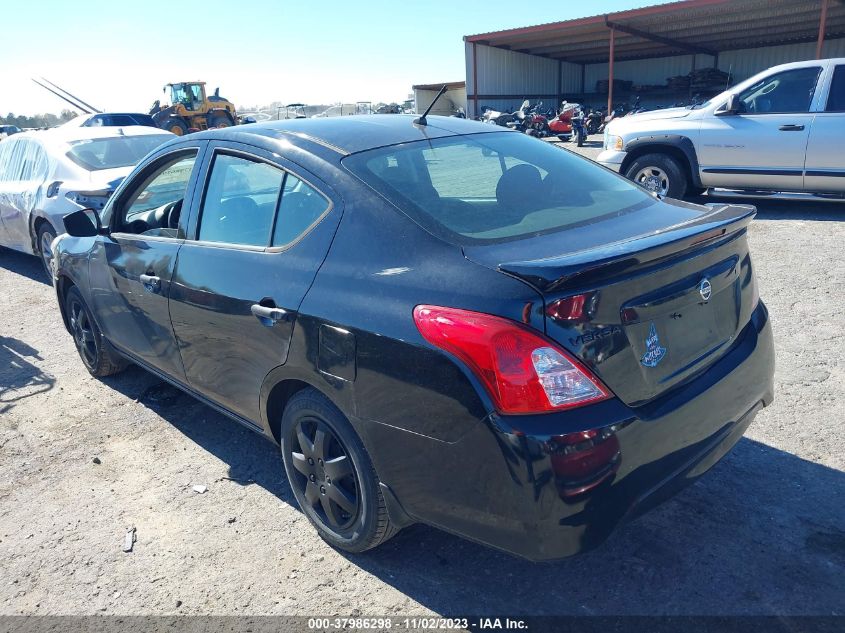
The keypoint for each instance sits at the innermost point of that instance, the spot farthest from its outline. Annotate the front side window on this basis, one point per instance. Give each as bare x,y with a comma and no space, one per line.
113,152
154,207
240,201
836,99
494,187
790,91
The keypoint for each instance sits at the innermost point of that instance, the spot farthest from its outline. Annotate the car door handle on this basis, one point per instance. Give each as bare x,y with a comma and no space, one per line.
151,283
791,127
268,316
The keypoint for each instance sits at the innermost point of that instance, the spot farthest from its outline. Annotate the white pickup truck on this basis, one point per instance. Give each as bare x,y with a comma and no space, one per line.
782,130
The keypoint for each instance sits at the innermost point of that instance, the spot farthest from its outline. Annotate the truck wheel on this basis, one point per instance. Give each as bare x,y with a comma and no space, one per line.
218,119
660,174
177,126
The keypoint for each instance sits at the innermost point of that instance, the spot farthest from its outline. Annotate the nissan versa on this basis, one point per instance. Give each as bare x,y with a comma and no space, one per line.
437,321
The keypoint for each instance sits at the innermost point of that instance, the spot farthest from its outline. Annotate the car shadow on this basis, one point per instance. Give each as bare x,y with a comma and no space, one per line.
762,533
250,459
19,377
24,265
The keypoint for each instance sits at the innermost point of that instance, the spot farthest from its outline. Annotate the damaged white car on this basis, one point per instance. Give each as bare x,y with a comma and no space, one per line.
46,175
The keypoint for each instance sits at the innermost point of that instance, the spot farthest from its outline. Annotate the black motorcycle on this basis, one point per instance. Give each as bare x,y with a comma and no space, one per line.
579,127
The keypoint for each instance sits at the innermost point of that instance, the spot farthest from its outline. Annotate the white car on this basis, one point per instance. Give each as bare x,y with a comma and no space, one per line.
46,175
782,130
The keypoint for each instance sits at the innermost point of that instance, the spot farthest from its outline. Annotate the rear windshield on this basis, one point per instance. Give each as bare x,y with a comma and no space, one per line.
495,187
117,151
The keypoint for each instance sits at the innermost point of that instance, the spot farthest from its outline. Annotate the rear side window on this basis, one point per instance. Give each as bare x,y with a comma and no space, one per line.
301,207
836,99
494,187
240,201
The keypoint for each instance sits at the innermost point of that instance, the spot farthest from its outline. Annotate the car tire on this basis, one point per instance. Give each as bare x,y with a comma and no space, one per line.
344,503
43,239
659,173
95,351
175,125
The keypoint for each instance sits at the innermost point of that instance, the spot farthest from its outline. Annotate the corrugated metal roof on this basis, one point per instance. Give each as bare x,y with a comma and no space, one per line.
690,26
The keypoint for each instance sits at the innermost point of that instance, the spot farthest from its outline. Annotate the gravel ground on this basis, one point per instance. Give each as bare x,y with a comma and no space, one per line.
82,460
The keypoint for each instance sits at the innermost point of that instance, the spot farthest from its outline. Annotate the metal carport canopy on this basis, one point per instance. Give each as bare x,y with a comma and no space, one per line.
689,26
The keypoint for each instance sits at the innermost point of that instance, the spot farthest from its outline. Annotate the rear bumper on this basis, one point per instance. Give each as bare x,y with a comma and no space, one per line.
508,484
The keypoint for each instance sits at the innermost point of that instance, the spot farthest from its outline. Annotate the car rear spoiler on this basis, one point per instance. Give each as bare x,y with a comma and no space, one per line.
594,264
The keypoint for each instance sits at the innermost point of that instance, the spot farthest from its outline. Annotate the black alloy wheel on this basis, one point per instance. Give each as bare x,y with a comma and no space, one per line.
95,351
327,479
331,474
82,328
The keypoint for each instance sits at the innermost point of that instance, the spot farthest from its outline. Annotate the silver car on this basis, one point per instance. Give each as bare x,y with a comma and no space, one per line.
782,130
46,175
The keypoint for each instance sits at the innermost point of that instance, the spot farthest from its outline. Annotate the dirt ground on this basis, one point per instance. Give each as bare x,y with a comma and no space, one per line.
762,533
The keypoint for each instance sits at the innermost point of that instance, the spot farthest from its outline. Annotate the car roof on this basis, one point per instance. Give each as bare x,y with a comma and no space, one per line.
806,63
357,133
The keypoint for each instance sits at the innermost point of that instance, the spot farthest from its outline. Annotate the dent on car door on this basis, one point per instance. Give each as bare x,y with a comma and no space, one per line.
263,228
764,144
824,167
131,268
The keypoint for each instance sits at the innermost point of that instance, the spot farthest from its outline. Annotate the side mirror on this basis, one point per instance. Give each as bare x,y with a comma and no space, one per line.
80,224
732,105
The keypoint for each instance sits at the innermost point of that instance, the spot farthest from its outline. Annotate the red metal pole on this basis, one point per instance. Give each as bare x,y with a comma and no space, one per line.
822,25
610,71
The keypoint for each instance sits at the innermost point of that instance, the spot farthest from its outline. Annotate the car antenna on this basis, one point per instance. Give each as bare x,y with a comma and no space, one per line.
421,120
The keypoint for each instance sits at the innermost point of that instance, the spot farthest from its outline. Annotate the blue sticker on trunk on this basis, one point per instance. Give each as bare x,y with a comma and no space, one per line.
654,353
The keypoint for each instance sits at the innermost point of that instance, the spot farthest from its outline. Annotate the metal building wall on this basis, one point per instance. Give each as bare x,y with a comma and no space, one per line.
645,71
452,99
747,62
516,76
570,78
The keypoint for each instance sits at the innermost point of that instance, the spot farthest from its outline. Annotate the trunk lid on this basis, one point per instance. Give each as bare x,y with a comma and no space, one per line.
649,309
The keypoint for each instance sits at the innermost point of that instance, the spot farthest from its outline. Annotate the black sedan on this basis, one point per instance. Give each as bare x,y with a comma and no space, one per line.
437,321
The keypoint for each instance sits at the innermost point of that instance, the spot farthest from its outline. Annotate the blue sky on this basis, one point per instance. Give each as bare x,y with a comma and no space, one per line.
257,52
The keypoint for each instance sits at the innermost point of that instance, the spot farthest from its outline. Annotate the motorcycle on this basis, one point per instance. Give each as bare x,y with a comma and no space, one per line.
579,127
489,115
531,120
595,119
561,125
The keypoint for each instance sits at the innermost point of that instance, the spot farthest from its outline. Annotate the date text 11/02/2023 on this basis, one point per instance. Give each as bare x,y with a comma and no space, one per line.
417,624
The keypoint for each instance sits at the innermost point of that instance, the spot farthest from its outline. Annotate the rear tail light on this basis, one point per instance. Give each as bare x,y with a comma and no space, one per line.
522,371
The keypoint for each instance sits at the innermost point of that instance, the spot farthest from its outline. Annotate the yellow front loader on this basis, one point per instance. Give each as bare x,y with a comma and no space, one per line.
191,109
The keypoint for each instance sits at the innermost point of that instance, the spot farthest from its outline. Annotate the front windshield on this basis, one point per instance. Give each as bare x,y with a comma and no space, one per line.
113,152
495,187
